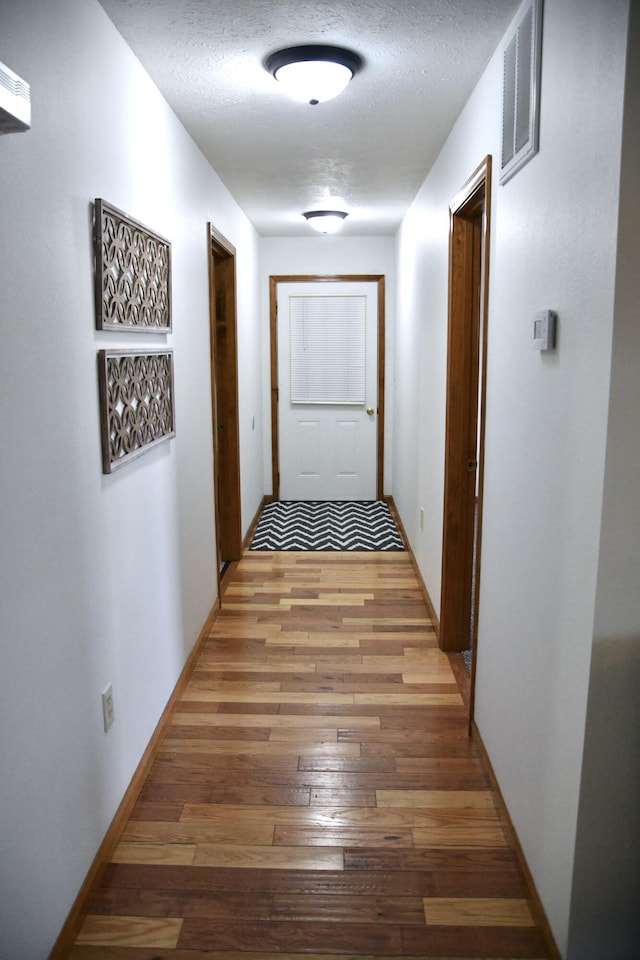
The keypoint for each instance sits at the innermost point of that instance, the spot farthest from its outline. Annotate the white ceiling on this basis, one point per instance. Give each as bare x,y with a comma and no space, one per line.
369,150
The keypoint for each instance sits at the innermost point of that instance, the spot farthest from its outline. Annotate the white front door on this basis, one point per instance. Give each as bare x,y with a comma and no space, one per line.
328,347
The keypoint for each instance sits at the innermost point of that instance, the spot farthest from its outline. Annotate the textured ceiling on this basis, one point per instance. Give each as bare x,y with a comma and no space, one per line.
368,150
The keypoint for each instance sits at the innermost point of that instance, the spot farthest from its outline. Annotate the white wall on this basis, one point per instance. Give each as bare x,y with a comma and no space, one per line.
606,886
103,578
329,256
553,245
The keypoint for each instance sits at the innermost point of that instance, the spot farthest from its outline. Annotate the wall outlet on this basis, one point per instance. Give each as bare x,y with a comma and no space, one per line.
108,714
422,518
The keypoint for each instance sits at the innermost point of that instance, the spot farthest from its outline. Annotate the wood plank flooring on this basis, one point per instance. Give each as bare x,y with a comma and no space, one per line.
316,795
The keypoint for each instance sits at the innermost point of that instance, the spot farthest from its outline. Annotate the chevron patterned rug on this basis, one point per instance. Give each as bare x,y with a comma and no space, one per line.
327,525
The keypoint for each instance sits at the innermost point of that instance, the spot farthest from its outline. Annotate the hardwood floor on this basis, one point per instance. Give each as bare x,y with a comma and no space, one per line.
316,795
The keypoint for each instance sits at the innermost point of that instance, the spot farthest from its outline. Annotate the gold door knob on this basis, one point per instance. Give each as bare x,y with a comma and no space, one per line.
370,411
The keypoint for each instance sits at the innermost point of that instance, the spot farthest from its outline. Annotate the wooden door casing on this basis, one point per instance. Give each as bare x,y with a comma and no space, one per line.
465,416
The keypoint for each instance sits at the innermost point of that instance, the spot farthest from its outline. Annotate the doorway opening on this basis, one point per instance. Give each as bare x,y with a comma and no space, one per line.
276,385
224,399
465,415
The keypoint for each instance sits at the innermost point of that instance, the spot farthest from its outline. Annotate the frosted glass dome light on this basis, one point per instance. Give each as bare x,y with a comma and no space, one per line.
313,73
325,221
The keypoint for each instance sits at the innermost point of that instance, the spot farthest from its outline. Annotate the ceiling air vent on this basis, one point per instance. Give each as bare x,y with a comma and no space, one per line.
521,89
15,102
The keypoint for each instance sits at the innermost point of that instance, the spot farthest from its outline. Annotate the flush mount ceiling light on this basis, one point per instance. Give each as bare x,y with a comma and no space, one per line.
313,73
325,221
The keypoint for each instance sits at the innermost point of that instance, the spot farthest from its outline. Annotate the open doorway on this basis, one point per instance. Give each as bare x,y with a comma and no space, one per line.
224,398
465,417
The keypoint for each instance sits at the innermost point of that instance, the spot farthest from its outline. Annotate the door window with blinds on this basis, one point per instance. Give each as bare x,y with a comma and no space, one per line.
327,349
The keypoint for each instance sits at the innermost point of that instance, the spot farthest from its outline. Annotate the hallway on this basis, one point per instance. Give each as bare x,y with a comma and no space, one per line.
316,794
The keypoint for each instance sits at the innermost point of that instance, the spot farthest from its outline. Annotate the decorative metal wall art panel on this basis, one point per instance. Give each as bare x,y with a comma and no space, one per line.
136,403
132,274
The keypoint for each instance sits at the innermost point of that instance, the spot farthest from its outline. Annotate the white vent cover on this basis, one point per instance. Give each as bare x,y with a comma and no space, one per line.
521,89
15,102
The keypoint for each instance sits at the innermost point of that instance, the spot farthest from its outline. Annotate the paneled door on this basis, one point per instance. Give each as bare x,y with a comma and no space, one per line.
328,390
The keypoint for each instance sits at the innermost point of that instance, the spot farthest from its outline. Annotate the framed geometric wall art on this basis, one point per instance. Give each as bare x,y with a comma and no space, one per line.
132,274
136,403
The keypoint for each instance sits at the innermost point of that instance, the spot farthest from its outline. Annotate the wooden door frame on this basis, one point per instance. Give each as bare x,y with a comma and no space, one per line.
469,242
275,393
224,401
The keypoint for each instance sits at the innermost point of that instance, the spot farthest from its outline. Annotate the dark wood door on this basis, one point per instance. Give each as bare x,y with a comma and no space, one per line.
466,386
224,376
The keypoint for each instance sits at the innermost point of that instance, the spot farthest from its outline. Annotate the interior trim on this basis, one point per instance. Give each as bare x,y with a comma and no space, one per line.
423,587
535,902
78,912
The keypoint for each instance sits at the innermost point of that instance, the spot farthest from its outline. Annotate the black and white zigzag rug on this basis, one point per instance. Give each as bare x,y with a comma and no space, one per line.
326,525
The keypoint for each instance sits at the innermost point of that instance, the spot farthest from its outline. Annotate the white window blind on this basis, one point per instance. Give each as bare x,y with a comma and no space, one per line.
327,349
